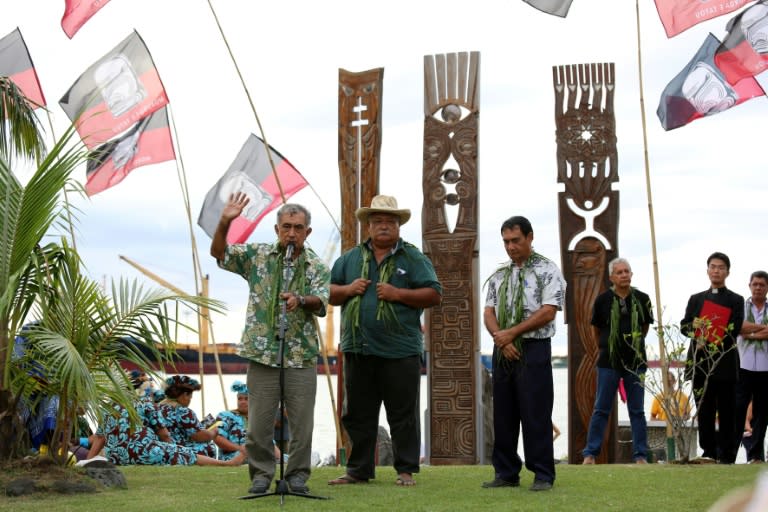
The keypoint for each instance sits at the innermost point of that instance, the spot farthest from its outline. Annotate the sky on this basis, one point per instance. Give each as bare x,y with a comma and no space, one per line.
706,185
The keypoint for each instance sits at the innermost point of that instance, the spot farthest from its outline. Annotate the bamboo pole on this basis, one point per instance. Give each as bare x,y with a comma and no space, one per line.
659,323
324,353
197,271
250,101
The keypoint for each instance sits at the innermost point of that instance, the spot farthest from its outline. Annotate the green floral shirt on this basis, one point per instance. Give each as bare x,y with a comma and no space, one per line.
260,265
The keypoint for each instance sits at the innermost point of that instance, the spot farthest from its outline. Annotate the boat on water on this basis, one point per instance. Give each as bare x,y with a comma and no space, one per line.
187,359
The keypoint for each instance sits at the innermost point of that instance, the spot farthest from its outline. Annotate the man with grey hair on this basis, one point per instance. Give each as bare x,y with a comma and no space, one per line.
752,386
284,273
620,320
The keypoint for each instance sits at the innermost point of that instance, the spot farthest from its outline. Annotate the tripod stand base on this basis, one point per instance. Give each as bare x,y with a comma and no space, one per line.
282,489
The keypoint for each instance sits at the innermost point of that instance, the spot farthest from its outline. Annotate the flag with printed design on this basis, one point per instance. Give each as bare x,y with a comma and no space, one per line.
77,12
700,89
555,7
679,15
251,174
16,64
744,51
116,92
147,142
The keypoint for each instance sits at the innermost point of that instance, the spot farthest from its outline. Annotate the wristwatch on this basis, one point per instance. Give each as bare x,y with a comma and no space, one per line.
300,298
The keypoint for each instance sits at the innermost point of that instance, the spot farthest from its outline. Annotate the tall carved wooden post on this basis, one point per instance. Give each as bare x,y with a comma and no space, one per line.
359,146
359,150
587,164
449,228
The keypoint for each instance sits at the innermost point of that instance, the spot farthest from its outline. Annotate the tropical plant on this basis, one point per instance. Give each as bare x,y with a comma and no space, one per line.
29,212
20,134
75,335
82,336
705,358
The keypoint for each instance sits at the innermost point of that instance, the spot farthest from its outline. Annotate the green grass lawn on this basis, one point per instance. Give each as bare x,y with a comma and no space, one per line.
593,488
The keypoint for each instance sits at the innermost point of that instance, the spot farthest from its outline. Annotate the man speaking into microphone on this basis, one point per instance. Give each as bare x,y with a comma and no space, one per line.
287,284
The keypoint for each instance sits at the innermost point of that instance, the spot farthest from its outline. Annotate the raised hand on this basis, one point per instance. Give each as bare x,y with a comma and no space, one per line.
234,207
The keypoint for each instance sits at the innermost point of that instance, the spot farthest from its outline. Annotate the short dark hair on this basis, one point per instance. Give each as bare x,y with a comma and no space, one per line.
759,274
519,221
720,256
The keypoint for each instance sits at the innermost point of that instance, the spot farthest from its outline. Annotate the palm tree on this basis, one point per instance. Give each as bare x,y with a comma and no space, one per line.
74,339
76,348
21,133
27,215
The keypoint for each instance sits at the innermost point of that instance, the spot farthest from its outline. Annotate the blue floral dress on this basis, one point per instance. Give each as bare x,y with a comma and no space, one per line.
233,429
128,445
182,423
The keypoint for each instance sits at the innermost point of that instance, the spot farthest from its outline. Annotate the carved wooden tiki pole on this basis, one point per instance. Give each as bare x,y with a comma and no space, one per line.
359,149
587,164
449,227
359,146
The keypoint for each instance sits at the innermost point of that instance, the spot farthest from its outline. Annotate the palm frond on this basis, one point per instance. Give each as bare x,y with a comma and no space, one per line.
22,134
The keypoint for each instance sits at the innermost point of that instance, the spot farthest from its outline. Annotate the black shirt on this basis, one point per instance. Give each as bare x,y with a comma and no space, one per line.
627,356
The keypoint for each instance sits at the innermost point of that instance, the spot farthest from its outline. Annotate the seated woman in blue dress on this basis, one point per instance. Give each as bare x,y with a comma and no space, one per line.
233,425
181,421
148,443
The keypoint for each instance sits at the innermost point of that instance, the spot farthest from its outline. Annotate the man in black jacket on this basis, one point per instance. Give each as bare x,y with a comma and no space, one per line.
712,320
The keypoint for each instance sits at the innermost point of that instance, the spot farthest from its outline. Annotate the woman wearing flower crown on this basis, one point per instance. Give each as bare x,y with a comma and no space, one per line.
182,422
233,425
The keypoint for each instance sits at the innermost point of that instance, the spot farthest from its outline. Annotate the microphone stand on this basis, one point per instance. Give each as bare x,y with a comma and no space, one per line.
282,488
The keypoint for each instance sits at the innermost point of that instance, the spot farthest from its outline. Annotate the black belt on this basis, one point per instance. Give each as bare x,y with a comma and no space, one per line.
536,339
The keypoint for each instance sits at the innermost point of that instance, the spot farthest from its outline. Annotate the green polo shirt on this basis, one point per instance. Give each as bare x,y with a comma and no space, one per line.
377,337
260,265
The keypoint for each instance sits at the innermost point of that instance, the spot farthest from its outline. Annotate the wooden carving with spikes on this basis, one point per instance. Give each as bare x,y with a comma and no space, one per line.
587,166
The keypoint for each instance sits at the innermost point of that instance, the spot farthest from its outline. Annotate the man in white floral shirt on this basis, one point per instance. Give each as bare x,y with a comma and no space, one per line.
524,295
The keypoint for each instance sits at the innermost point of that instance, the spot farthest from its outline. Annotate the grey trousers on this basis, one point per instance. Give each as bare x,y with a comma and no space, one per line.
263,400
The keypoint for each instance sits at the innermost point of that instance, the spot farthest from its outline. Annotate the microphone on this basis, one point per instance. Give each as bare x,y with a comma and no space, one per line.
289,250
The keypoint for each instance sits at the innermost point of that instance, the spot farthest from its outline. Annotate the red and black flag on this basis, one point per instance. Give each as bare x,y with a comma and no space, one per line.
701,90
16,64
251,174
77,12
145,143
114,93
744,51
680,15
555,7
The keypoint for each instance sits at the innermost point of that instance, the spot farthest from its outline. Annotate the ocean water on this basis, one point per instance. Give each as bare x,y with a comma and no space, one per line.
324,438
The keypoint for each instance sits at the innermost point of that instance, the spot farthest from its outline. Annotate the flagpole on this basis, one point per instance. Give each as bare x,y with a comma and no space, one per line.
659,323
182,175
250,101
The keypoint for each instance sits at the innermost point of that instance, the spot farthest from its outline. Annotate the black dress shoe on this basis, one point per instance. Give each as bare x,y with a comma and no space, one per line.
297,485
541,485
498,482
259,486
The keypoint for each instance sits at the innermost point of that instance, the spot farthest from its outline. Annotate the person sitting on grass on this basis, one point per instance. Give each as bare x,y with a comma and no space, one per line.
233,425
182,422
148,443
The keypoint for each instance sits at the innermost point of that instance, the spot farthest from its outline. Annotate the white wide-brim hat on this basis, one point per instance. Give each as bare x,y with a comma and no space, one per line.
383,204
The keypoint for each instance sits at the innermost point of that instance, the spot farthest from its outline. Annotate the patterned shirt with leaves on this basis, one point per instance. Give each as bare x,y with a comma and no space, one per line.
261,266
543,283
753,354
375,334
